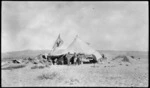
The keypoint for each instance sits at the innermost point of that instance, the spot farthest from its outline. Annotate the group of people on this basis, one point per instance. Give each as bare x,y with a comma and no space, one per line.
76,59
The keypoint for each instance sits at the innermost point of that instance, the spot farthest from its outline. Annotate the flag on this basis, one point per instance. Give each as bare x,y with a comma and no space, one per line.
58,43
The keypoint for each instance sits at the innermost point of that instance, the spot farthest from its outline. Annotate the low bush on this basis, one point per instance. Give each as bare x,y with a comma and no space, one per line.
37,67
47,76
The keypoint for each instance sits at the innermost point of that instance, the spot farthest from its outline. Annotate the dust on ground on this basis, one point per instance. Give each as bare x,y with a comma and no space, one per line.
80,75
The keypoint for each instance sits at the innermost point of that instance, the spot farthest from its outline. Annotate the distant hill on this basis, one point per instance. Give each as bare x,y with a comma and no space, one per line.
123,52
34,53
142,54
22,54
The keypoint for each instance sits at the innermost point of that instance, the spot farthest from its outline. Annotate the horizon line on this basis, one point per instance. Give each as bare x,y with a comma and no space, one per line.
50,50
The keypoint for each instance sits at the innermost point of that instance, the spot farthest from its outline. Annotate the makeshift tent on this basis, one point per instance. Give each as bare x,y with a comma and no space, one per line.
121,58
78,46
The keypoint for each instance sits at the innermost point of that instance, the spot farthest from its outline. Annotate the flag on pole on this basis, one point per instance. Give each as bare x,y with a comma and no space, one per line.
58,43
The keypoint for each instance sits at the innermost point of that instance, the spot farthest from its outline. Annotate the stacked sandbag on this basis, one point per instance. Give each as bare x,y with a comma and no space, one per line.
40,62
25,61
5,63
15,62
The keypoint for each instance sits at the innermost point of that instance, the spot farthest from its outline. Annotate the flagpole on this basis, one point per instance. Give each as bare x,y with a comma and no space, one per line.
57,43
53,46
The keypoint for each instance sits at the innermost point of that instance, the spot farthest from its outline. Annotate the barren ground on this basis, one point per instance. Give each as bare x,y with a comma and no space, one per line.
80,75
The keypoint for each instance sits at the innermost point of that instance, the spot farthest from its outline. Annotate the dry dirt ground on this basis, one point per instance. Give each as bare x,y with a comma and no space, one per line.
102,74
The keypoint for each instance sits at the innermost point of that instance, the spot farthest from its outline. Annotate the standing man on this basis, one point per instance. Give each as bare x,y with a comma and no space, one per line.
75,59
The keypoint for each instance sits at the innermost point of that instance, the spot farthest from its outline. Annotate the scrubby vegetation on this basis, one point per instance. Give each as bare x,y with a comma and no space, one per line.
47,76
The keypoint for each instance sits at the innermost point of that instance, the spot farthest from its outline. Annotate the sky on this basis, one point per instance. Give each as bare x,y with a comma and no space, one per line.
107,25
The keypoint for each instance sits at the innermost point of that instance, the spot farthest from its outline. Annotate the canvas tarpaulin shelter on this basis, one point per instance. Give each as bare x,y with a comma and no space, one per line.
78,46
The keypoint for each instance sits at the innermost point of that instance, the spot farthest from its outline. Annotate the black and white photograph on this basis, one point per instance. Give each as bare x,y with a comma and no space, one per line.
74,44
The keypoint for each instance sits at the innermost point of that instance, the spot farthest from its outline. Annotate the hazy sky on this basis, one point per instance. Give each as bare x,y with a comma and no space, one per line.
105,25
